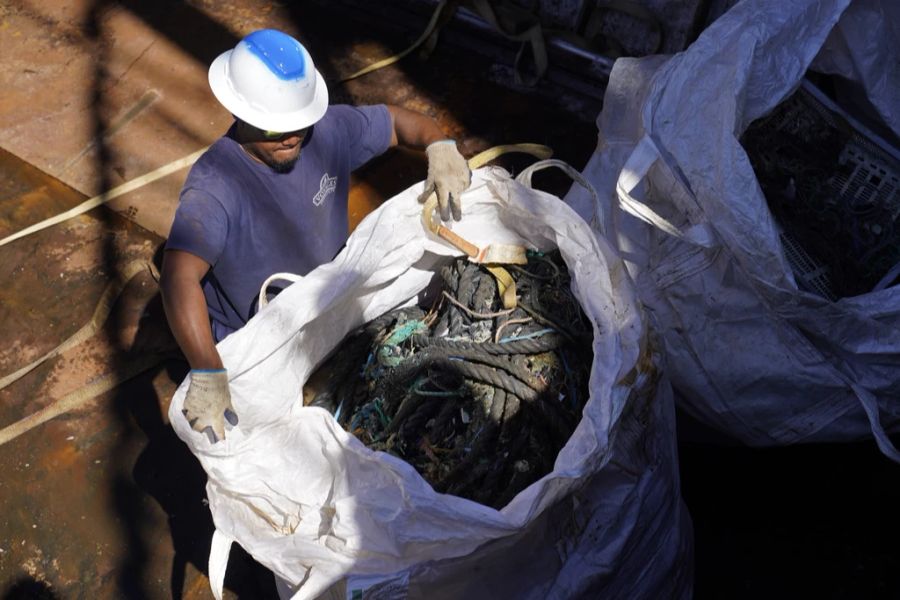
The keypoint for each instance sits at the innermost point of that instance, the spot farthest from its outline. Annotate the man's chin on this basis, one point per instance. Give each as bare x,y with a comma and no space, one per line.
284,166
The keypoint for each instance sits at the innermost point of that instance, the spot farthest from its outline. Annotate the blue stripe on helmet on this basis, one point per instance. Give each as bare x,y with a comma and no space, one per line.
281,53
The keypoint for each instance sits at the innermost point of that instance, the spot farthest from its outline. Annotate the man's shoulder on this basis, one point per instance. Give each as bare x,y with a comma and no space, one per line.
349,108
219,156
355,124
216,166
349,112
215,177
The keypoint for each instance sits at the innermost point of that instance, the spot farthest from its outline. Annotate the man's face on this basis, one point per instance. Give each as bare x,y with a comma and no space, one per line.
278,150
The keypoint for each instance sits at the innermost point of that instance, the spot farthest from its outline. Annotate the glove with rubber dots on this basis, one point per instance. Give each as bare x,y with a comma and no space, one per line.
208,403
448,176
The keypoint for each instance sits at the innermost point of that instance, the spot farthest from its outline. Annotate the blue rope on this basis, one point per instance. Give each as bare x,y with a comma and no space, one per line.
397,337
527,336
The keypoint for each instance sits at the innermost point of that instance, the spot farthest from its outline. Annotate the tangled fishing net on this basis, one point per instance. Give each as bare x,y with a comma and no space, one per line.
479,400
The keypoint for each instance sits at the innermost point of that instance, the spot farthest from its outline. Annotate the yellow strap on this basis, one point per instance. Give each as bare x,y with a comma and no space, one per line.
429,29
149,97
505,283
520,25
538,151
105,197
101,313
99,386
79,397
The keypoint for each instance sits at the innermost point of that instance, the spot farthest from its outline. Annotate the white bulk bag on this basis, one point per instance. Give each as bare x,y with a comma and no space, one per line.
313,504
751,354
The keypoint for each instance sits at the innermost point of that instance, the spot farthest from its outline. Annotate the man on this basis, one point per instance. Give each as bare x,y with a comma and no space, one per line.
271,196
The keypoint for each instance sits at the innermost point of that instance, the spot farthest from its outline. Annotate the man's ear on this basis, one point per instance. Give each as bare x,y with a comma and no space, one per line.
242,130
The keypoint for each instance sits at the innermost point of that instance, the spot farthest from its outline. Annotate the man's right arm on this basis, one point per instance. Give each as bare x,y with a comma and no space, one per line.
186,310
207,403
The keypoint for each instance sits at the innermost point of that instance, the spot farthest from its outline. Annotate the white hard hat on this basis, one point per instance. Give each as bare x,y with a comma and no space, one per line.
270,82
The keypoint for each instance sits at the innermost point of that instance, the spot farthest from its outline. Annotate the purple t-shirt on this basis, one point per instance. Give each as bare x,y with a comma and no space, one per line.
249,222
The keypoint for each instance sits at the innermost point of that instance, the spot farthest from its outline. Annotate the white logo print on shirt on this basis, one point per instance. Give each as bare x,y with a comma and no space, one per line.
326,186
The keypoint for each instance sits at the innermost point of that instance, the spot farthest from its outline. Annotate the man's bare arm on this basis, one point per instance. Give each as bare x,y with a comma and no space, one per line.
185,307
413,129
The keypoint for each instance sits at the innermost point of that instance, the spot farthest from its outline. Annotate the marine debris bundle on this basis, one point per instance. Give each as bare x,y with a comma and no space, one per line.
478,399
834,192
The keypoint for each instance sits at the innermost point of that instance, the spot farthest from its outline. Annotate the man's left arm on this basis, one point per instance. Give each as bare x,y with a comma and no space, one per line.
448,172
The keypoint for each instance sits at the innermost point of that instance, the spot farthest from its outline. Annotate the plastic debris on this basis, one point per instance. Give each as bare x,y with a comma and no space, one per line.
834,192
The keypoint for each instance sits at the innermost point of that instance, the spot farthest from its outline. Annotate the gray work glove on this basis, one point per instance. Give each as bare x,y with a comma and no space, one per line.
208,403
448,176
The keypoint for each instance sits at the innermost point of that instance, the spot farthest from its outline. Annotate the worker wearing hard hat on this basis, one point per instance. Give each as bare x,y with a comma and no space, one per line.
271,195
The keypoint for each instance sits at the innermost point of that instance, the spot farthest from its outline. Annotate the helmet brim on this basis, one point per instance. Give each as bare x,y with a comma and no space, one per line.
267,121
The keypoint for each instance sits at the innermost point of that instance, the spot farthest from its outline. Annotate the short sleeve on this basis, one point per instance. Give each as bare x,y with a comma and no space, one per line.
368,130
200,226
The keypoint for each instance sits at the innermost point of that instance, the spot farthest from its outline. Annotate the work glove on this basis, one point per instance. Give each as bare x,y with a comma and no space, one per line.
208,403
448,176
